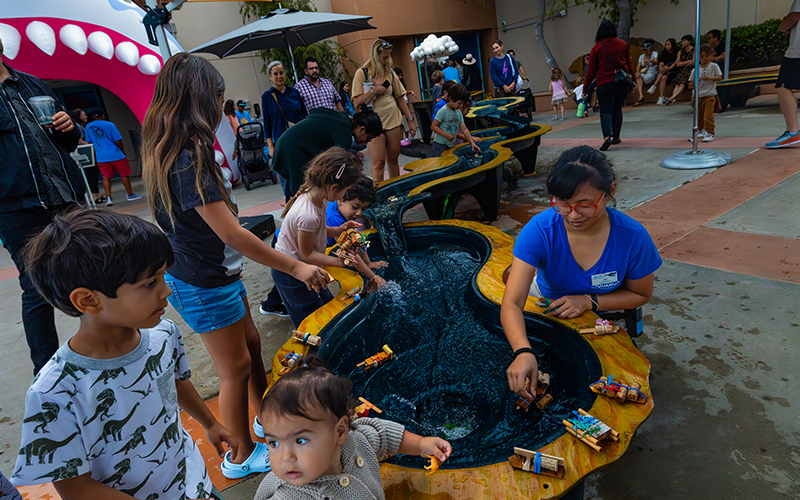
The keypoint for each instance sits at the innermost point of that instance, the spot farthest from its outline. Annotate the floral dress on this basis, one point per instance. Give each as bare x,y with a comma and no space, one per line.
682,77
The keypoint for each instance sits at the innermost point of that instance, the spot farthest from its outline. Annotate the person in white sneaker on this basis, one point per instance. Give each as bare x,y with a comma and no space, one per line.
709,75
667,69
110,154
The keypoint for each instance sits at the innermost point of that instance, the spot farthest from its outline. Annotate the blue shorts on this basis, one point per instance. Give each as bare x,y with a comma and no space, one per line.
207,309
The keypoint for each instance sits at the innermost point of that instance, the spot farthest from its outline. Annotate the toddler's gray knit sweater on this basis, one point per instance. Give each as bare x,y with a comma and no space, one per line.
372,440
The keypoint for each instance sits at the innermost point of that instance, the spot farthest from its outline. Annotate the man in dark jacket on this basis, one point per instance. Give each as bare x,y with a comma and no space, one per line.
38,180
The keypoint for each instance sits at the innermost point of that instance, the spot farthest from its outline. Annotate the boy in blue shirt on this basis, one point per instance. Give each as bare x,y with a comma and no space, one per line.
357,199
110,154
449,122
442,102
106,407
243,115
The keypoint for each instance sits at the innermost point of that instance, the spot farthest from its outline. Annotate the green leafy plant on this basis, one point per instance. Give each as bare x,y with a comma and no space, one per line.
329,54
757,45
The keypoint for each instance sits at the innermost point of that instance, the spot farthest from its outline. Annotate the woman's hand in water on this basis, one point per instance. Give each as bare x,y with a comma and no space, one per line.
571,306
313,276
436,447
378,264
524,368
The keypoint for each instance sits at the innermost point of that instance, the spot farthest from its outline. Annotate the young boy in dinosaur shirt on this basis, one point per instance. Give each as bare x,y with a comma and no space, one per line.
102,418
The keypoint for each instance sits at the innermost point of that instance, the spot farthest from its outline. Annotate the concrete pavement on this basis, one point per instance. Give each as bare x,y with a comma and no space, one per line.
720,330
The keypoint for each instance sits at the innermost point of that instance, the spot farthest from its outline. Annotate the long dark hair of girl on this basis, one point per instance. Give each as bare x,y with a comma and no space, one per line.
307,391
229,108
342,94
185,110
334,166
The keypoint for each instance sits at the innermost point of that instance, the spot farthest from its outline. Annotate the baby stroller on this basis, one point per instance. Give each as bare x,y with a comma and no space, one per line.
250,155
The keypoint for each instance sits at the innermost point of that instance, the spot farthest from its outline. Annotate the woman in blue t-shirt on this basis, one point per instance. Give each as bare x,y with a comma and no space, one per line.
583,255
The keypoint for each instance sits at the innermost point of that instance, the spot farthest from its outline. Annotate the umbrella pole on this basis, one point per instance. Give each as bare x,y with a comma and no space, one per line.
696,158
291,57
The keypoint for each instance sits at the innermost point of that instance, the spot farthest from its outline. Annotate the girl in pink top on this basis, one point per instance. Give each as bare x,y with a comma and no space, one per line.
558,87
304,233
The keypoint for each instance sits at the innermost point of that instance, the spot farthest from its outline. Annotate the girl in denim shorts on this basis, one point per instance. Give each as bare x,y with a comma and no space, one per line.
190,198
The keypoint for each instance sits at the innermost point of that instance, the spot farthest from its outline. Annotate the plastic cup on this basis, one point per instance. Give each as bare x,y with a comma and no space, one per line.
581,110
44,107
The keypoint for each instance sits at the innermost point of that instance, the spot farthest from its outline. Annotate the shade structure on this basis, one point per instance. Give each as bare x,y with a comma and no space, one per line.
285,28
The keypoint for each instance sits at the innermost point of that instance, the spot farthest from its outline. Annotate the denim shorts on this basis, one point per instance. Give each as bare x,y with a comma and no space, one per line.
207,309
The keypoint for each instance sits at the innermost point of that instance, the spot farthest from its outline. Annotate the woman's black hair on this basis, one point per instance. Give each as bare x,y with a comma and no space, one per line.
674,45
307,391
369,120
97,249
690,39
342,94
362,191
605,30
576,167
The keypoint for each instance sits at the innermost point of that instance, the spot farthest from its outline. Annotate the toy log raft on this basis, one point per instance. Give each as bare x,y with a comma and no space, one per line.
542,384
607,386
538,463
377,360
306,338
589,429
289,362
350,243
601,327
355,293
363,409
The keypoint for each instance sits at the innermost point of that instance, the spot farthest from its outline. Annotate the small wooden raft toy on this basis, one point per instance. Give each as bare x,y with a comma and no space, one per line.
355,293
541,387
539,463
607,386
350,243
589,429
434,465
378,359
601,327
363,409
289,362
306,338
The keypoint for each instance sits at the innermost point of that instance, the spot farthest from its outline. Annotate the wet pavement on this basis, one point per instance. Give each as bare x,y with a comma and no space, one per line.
720,330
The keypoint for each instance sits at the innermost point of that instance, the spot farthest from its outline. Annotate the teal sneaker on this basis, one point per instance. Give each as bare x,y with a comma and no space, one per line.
787,139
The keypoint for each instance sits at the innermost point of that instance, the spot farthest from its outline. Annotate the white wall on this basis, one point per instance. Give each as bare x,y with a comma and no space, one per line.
572,36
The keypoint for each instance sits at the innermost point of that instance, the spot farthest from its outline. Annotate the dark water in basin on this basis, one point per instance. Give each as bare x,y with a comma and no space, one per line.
448,377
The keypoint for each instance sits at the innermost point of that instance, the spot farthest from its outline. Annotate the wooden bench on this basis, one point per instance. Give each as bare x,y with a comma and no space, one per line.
745,84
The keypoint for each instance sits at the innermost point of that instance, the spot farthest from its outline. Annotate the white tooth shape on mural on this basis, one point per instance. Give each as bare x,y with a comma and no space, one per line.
149,64
128,53
11,40
101,44
42,36
73,37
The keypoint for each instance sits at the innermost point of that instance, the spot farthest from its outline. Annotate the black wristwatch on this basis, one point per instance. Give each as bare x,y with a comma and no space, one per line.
523,350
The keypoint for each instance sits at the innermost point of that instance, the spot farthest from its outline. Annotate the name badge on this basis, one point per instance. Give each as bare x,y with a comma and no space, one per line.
604,279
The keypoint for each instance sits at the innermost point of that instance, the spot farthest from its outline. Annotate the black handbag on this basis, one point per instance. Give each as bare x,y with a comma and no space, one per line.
620,75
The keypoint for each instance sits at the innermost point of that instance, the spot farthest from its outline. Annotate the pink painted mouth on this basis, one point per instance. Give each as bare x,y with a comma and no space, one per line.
134,83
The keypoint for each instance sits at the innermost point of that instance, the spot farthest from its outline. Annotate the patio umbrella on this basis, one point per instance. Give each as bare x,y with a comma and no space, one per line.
285,27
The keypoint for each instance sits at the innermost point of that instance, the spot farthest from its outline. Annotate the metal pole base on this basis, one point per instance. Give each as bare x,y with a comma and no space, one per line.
703,158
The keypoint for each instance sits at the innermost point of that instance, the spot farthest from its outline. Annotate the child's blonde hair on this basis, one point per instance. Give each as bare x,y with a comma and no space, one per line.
579,80
556,74
334,166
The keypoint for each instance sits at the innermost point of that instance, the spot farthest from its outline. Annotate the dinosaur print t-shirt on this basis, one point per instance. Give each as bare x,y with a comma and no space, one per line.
116,419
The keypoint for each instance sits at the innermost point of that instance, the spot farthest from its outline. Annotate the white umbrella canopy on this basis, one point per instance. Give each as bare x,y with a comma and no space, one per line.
285,28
